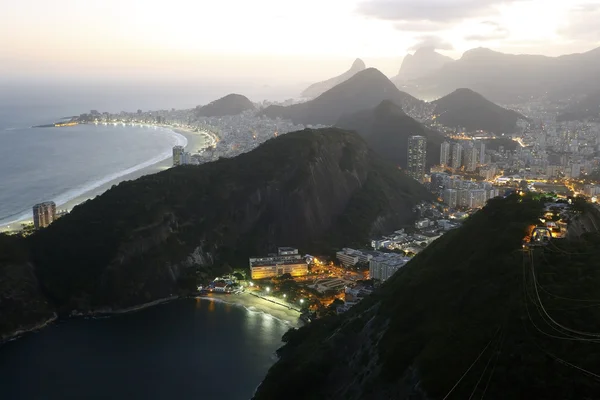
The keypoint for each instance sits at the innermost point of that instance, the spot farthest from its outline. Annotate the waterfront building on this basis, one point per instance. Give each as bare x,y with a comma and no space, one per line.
445,154
178,155
417,155
44,214
286,261
457,156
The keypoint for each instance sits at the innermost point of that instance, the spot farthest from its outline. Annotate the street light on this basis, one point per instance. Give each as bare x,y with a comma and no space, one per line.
268,289
301,301
284,296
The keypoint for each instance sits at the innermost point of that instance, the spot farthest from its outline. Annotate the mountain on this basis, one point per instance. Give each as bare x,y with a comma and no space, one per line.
423,62
588,107
509,78
470,110
317,89
386,129
364,90
151,238
232,104
462,319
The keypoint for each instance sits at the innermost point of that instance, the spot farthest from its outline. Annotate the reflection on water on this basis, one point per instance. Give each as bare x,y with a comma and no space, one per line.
176,350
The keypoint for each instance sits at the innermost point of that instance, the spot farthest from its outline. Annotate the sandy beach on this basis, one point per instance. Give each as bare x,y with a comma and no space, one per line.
195,142
257,305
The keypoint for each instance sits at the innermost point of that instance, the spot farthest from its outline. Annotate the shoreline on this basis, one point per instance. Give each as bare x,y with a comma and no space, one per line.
195,141
251,302
257,304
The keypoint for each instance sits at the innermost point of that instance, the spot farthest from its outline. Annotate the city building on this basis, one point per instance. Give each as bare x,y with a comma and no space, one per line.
450,197
383,266
482,153
178,155
44,214
457,156
445,154
286,261
417,155
471,159
350,257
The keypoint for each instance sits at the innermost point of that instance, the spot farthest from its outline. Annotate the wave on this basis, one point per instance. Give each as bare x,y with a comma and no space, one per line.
72,194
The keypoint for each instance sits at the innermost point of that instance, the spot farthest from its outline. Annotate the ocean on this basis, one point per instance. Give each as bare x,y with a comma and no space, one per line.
60,164
186,349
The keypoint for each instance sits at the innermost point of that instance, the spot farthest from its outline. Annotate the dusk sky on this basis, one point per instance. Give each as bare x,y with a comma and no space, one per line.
276,39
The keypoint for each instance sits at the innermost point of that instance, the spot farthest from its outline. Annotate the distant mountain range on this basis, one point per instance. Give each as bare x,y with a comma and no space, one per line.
232,104
364,90
319,88
423,62
467,109
386,129
588,107
508,78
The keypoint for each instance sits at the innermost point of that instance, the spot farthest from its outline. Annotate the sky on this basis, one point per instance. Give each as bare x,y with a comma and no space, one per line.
272,41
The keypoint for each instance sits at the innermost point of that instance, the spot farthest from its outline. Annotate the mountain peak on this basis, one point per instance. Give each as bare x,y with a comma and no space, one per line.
424,61
316,89
232,104
468,109
358,65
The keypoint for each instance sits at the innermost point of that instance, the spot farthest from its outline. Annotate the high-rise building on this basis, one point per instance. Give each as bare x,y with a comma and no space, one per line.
417,157
482,153
471,159
450,197
44,214
457,156
445,154
178,155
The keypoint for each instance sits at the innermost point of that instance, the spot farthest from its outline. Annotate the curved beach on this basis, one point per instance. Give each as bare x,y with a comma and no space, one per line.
192,141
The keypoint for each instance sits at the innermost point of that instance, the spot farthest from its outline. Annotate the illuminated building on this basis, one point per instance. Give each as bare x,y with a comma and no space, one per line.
350,257
457,156
178,155
445,154
44,214
286,261
482,153
450,197
385,265
417,154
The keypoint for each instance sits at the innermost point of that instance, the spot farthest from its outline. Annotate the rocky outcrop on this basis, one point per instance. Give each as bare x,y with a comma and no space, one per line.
232,104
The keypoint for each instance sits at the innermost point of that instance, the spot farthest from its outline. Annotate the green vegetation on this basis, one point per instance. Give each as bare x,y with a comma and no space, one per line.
467,109
471,292
22,305
161,234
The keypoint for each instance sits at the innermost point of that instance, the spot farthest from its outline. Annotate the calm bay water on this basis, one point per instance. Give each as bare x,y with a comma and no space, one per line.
187,349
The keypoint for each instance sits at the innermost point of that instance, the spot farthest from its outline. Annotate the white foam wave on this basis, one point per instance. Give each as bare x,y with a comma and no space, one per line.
179,140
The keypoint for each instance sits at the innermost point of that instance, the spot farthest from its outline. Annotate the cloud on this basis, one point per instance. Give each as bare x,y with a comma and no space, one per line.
583,23
431,41
493,31
444,11
420,26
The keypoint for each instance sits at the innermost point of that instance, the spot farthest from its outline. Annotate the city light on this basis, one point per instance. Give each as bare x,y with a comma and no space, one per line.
284,296
268,289
301,301
251,284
